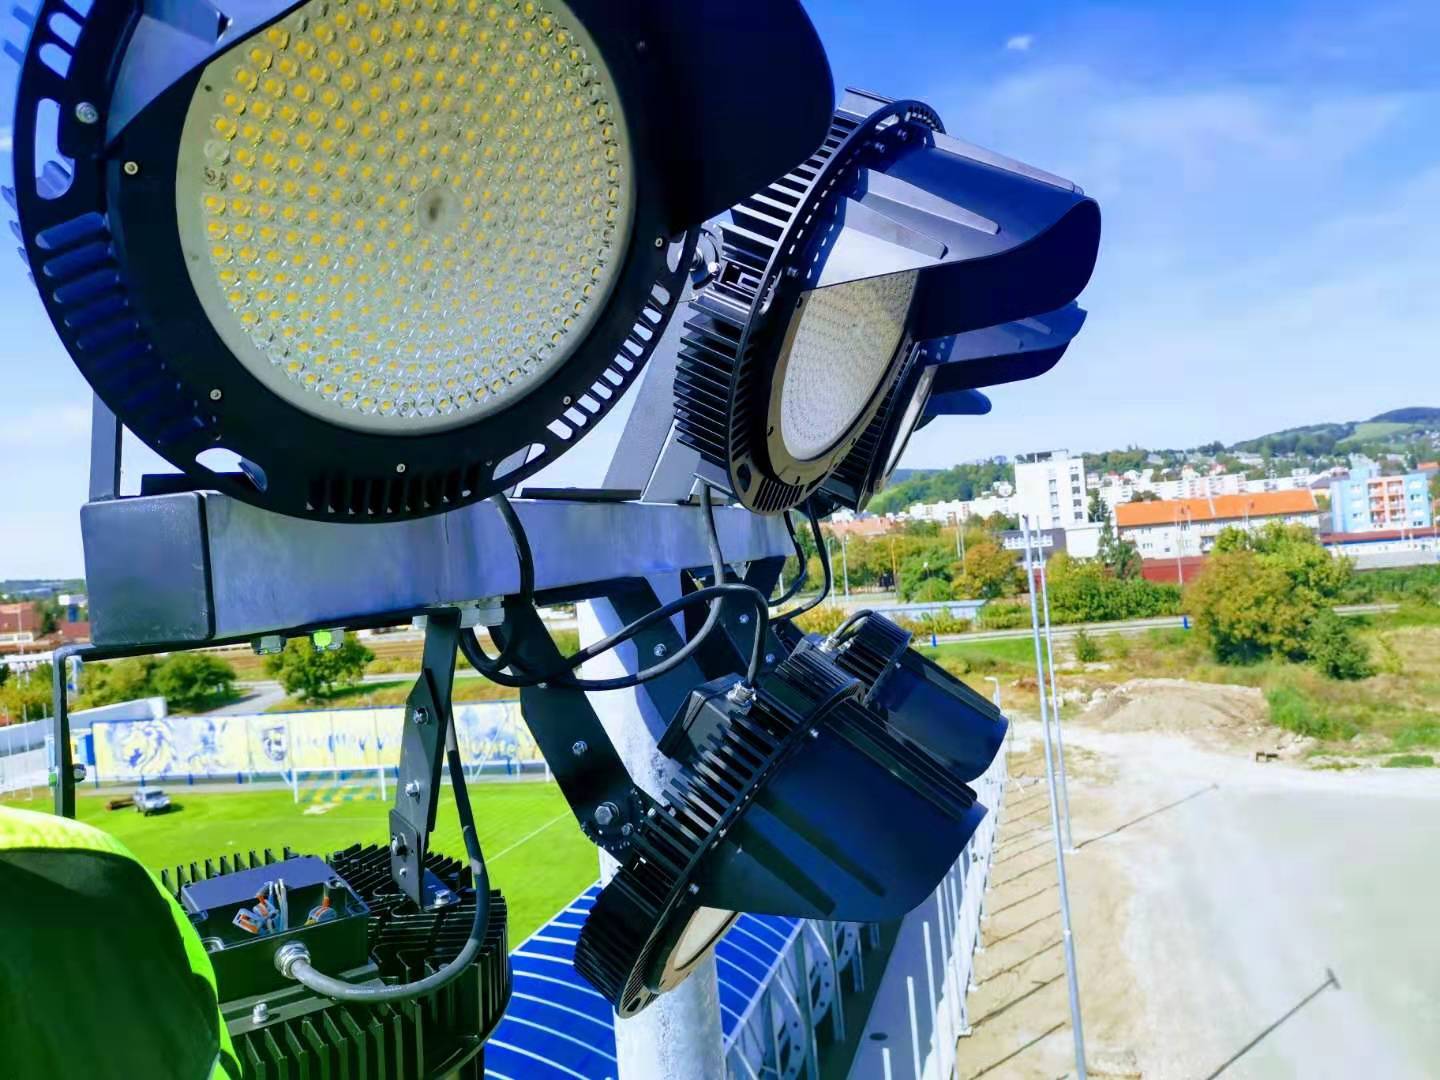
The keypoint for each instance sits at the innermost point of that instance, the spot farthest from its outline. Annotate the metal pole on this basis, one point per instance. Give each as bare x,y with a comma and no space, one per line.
1055,709
1072,978
845,564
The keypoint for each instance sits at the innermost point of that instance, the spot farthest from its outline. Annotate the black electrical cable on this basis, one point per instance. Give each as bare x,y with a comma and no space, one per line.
293,960
475,654
803,575
838,634
710,592
824,556
525,596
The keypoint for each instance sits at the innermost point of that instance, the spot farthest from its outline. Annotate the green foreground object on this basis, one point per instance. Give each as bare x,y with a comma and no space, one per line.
101,974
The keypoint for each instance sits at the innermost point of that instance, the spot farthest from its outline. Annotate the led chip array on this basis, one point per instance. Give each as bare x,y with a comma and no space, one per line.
410,209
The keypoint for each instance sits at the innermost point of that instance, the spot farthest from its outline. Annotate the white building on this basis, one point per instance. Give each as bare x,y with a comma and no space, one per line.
1165,529
1050,489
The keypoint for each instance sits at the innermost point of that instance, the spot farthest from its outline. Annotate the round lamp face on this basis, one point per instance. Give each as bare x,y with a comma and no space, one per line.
838,349
402,220
704,928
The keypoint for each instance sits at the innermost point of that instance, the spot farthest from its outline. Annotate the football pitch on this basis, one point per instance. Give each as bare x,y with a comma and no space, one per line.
536,854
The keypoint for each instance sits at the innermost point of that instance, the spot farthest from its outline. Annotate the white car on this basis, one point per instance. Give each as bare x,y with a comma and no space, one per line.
151,801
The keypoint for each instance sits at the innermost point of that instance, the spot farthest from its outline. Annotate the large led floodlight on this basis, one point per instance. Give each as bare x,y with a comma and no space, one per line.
801,797
942,377
892,234
394,255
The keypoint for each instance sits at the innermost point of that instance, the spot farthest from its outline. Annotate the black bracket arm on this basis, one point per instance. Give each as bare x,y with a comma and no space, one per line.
422,750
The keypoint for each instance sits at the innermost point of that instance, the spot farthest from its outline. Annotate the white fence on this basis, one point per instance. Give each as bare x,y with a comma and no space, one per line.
135,744
932,966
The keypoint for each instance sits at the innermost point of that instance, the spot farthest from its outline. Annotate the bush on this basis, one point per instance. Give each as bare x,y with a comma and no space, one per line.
937,622
1293,711
931,591
311,674
1087,649
1409,761
1336,650
821,620
1003,615
1084,590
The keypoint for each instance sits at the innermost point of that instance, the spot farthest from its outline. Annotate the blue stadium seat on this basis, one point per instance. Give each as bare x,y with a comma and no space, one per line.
557,1027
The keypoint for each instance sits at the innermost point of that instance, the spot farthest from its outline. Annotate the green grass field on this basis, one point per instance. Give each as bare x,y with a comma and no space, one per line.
536,854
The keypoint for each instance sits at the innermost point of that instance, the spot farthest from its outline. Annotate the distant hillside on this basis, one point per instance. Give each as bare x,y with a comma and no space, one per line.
1388,431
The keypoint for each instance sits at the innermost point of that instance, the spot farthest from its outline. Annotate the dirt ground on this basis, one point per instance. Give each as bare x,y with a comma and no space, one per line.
1212,897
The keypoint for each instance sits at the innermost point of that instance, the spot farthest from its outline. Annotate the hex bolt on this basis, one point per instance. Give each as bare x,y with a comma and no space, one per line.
397,847
605,813
578,748
420,716
413,789
659,650
626,829
86,113
694,889
261,1012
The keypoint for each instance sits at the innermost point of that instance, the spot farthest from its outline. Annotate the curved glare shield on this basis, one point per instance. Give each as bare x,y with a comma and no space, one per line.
1002,354
992,239
345,242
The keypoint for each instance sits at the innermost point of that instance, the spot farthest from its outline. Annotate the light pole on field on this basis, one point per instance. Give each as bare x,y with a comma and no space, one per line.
1067,936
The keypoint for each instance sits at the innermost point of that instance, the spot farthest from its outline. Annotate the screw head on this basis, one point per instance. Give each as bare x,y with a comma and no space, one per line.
413,789
579,747
744,618
626,829
769,658
86,113
420,716
659,650
261,1012
131,168
216,394
400,468
659,241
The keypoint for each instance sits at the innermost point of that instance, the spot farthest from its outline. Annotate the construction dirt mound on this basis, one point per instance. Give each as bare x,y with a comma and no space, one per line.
1214,715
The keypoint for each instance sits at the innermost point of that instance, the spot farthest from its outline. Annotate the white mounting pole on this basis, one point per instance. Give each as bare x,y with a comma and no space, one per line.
678,1037
1055,709
1071,977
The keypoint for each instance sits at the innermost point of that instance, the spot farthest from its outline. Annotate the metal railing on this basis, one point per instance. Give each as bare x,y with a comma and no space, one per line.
779,1034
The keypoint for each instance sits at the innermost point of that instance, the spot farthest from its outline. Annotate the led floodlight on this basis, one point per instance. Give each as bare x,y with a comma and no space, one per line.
794,799
395,255
890,235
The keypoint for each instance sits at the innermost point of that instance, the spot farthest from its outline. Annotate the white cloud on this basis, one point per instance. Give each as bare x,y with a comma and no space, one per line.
1020,42
7,140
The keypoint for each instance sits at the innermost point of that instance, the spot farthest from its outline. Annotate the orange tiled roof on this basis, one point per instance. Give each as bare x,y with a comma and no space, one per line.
1219,508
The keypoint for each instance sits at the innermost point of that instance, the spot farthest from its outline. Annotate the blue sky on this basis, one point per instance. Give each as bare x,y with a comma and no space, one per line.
1269,175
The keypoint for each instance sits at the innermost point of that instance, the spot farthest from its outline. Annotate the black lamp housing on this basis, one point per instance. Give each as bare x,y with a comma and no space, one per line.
794,799
102,99
986,241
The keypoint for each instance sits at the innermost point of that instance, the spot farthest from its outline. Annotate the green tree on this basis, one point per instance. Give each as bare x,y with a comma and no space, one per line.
27,695
1245,608
924,562
194,680
311,674
50,613
1120,556
117,680
1335,649
989,571
1270,593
